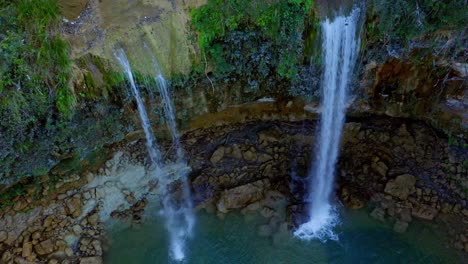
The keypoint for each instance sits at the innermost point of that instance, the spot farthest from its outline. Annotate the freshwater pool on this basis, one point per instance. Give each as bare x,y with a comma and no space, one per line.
235,240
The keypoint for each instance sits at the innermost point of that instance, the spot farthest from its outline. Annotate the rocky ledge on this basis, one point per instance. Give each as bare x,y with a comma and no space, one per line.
398,169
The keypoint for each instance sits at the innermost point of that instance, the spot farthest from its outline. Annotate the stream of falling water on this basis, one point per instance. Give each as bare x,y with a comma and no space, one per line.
177,205
153,150
340,47
180,218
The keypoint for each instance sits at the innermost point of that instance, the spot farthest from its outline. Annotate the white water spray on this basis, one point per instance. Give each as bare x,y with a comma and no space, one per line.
177,206
154,152
340,46
168,109
179,215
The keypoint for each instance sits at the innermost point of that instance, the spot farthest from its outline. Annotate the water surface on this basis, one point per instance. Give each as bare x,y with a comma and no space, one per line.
236,240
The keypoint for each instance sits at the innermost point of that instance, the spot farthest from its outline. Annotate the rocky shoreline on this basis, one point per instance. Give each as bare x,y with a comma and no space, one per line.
399,170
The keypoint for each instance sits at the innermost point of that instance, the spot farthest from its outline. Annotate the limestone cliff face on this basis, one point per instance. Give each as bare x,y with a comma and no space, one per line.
402,88
97,27
433,89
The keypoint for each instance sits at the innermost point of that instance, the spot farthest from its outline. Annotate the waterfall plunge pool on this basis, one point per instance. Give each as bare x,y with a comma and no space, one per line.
236,240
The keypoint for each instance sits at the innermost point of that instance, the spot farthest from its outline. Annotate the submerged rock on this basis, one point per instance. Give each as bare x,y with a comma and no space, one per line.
91,260
379,214
400,226
424,212
401,187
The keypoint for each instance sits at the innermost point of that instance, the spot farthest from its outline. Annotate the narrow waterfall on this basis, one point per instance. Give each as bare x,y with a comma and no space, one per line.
178,210
154,152
340,47
177,204
169,112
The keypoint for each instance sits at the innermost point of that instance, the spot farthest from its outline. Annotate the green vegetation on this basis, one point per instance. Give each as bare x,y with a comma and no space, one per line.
401,21
34,62
253,39
35,98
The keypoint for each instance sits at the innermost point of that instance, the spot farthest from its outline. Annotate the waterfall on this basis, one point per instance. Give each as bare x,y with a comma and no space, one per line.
168,109
340,47
177,205
154,153
180,219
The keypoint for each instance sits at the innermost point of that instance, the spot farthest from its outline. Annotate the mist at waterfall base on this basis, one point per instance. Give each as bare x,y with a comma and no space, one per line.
340,46
177,206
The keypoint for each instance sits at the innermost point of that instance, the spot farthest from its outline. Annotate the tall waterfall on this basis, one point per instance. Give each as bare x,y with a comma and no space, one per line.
177,204
340,47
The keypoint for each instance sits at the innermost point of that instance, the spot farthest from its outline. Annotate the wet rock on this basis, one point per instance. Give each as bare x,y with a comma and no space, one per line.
402,186
73,206
91,260
267,212
405,215
424,212
217,155
351,200
241,196
379,214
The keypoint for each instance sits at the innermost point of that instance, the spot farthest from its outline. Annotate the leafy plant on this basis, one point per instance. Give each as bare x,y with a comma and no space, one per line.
253,39
35,61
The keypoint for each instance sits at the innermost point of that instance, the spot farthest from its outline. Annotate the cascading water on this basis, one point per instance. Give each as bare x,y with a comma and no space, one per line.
177,205
168,109
180,219
154,152
340,46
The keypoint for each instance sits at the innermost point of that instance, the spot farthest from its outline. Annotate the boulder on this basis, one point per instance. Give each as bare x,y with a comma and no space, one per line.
218,154
401,187
236,152
27,250
250,155
44,248
241,196
91,260
380,167
379,214
3,236
73,206
424,212
351,200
